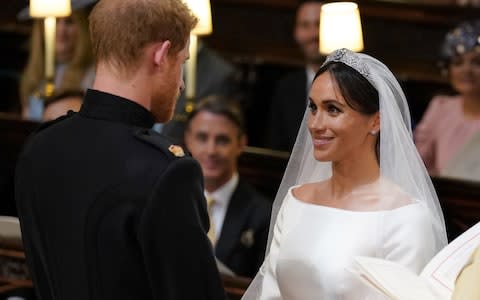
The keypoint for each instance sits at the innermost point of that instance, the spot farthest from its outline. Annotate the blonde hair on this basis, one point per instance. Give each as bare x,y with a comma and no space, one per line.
81,63
120,29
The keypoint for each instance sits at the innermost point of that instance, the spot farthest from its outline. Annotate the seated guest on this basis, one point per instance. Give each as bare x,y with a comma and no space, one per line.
61,103
451,121
239,215
73,58
466,286
290,96
465,164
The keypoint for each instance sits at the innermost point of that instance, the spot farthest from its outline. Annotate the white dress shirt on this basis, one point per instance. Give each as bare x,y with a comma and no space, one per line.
221,200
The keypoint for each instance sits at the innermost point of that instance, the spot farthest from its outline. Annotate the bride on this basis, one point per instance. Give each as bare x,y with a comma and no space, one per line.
354,185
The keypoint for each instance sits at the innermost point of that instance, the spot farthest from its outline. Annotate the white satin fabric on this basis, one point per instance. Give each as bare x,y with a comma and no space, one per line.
311,255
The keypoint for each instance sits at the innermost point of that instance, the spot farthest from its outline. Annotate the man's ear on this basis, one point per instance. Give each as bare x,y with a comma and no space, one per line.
160,53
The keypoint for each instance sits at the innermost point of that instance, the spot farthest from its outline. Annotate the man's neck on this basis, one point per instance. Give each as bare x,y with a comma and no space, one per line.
135,88
213,185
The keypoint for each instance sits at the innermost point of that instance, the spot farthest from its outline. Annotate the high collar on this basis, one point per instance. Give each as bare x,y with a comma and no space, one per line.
105,106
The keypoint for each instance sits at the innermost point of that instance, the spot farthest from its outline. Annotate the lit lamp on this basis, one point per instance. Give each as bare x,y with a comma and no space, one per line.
201,9
340,27
50,10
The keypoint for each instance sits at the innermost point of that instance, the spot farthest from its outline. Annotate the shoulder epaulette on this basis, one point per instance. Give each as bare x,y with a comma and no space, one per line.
155,139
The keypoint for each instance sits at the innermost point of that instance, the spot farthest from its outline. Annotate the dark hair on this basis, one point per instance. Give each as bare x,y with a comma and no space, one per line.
358,92
220,105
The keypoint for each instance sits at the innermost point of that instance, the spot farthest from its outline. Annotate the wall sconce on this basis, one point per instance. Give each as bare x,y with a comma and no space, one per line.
50,10
340,27
202,10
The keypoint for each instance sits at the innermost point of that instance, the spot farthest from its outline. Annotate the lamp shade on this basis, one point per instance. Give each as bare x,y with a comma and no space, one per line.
201,9
340,27
50,8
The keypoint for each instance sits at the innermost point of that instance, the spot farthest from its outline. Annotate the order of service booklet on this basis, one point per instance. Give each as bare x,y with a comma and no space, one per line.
435,282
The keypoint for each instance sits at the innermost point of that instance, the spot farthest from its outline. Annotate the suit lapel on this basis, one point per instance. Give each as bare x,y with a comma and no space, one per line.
237,216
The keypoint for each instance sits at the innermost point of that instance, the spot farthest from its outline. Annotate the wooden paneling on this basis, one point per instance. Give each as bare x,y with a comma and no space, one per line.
263,168
460,202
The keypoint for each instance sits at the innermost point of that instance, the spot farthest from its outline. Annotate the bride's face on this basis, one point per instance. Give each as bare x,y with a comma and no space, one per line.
338,131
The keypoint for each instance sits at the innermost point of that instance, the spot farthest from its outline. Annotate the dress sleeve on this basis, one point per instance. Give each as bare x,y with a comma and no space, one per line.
270,289
172,236
425,134
408,237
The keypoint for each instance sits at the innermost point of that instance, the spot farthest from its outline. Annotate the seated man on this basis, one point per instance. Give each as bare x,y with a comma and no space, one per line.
239,215
290,96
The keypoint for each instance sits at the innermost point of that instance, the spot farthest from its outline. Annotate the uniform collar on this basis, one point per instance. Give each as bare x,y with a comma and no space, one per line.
105,106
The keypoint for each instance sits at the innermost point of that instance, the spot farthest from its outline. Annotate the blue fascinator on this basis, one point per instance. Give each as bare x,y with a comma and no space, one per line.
462,39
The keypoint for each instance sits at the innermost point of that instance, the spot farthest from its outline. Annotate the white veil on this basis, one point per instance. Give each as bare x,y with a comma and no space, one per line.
400,162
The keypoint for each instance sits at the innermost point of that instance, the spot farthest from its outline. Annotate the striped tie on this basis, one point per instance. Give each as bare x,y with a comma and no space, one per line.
211,232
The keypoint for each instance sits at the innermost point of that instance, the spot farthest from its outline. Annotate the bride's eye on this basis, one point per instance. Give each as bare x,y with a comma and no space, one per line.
333,109
312,107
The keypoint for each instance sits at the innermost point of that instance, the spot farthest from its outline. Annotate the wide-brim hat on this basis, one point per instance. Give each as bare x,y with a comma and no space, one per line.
24,14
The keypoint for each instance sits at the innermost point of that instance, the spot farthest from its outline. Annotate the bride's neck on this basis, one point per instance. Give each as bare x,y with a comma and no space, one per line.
352,173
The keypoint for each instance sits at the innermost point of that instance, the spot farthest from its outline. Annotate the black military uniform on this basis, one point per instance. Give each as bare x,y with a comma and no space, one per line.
110,210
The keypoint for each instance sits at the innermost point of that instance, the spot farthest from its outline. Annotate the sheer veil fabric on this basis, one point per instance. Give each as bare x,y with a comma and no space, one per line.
403,177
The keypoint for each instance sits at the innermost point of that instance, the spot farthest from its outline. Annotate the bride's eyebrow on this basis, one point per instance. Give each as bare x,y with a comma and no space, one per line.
332,101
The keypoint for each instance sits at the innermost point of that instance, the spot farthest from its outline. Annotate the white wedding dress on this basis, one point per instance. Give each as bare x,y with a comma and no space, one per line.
311,254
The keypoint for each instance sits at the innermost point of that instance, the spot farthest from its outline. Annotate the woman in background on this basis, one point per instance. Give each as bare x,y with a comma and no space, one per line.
354,185
451,121
74,69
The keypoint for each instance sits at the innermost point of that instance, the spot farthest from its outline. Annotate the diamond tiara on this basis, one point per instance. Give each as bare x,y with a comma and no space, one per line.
350,59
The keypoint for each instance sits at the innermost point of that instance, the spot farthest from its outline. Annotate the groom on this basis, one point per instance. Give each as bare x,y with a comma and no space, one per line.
109,209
